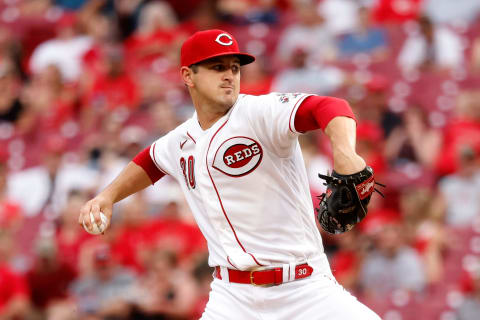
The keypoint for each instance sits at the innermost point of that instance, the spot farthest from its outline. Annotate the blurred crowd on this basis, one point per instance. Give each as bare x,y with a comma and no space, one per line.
86,85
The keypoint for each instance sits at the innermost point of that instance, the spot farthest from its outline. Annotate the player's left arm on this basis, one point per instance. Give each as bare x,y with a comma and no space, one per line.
351,184
335,117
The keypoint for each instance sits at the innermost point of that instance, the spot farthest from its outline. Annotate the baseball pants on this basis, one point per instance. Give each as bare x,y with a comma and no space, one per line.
318,297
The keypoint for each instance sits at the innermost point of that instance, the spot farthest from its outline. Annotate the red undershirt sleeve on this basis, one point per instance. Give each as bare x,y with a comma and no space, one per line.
316,112
144,160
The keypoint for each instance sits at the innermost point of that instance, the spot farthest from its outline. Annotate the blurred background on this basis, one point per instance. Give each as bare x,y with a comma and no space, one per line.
85,85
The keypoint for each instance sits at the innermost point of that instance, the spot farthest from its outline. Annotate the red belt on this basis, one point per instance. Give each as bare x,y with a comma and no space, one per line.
272,276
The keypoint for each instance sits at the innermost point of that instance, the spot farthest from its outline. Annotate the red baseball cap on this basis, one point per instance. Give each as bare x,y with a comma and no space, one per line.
208,44
377,83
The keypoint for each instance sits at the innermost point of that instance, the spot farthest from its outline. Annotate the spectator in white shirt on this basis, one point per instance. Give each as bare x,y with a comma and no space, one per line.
65,51
391,265
433,47
460,192
452,12
315,79
308,33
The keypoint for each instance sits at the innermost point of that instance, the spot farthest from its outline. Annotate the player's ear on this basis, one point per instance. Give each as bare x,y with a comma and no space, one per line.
187,76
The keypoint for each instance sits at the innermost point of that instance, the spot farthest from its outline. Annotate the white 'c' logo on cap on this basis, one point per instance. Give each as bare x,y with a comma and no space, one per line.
219,39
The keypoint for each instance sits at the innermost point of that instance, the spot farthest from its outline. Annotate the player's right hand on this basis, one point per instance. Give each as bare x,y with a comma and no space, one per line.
95,206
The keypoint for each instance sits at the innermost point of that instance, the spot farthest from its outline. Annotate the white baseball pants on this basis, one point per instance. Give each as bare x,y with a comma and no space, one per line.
318,297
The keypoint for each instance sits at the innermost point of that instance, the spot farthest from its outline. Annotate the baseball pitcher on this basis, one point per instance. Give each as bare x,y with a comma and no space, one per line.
240,167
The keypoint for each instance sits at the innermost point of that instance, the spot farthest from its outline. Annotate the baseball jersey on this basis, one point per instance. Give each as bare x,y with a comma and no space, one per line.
246,183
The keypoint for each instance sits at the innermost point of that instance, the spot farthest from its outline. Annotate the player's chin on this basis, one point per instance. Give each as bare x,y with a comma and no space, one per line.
229,99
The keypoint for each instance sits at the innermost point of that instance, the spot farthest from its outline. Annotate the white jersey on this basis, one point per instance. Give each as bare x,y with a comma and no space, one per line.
246,183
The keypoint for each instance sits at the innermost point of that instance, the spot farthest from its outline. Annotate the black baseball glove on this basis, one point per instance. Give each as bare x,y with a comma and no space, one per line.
345,202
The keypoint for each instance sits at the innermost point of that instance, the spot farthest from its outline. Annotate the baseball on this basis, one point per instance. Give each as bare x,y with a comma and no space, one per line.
96,229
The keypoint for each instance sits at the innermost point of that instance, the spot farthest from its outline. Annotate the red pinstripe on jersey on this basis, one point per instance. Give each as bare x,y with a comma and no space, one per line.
155,160
188,134
220,199
228,260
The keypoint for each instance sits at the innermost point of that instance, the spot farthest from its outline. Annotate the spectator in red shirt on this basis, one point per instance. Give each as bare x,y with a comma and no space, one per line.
69,237
396,11
102,32
370,146
49,101
11,212
171,232
128,242
204,17
49,278
155,36
14,290
255,79
347,259
113,88
462,130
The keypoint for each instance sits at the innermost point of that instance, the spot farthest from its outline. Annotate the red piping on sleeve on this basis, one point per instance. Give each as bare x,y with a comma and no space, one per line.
144,160
316,112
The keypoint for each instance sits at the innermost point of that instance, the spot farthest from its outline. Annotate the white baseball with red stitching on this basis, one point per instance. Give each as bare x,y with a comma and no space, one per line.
96,229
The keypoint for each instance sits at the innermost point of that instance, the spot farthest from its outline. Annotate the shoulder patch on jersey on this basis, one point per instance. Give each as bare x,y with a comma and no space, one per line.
238,156
285,97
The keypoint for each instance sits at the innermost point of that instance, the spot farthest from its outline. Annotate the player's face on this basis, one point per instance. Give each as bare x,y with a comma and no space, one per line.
217,80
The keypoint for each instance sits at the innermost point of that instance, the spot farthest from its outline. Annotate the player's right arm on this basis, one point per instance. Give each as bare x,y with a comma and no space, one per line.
137,175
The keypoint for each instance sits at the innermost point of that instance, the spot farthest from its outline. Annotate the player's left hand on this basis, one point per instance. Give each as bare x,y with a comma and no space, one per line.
345,202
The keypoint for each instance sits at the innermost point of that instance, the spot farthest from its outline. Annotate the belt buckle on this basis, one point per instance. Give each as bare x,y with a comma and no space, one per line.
252,282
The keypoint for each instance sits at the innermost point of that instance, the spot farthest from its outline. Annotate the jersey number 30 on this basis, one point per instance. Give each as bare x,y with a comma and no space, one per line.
188,171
